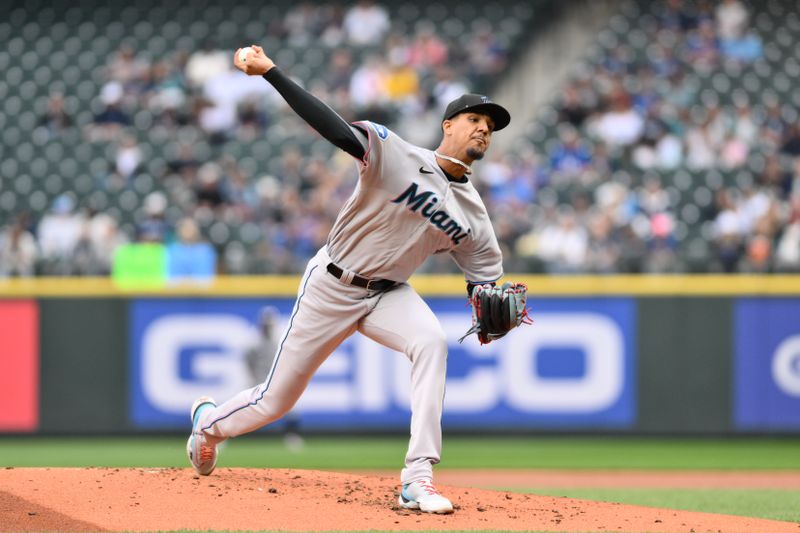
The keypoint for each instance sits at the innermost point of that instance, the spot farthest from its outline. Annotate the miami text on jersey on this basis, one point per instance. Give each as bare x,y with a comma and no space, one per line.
440,219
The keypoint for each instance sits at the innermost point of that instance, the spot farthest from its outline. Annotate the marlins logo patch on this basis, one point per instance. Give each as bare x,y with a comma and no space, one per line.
380,130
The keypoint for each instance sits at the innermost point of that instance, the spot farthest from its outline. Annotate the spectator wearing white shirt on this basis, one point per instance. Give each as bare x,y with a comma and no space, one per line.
622,125
787,251
129,157
366,24
205,64
367,86
732,19
58,233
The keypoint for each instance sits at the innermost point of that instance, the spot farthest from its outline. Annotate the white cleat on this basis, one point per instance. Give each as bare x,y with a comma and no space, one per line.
202,455
422,495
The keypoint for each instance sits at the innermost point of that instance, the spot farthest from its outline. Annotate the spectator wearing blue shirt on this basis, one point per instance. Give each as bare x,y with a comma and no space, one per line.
570,157
190,257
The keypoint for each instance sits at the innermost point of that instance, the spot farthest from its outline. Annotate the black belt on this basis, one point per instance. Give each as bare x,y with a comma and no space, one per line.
358,281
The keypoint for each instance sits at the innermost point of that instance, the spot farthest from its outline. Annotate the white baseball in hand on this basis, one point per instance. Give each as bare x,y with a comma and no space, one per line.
244,52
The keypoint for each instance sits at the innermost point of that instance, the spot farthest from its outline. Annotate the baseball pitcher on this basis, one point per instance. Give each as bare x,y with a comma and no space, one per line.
409,203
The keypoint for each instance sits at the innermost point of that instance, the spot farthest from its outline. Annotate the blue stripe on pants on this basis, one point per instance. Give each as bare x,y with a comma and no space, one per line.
277,357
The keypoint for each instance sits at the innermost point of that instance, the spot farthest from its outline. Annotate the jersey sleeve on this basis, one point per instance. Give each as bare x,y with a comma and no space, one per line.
481,260
378,137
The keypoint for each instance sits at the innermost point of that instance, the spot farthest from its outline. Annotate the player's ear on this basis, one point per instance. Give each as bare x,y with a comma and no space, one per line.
447,126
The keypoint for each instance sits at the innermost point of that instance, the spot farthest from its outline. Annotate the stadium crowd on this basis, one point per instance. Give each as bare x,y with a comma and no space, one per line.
591,190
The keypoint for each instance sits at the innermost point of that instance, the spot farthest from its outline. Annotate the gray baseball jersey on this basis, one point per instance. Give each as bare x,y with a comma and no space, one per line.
404,209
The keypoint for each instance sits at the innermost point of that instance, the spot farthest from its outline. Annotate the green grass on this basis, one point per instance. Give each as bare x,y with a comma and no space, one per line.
762,503
345,453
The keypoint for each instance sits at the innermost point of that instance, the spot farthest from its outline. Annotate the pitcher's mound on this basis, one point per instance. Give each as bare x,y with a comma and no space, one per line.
113,499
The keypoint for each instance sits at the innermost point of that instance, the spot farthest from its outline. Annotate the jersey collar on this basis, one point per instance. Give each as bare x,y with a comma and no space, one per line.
450,177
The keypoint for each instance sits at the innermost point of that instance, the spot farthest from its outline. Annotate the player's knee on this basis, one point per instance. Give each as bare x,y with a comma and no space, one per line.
433,343
273,407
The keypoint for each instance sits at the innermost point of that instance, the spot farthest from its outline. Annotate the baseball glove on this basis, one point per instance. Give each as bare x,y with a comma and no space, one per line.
497,310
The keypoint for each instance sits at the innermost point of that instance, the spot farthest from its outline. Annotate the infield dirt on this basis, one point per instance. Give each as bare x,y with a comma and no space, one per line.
114,499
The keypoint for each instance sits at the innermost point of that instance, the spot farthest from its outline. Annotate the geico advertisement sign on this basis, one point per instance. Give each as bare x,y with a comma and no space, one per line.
767,364
786,366
573,367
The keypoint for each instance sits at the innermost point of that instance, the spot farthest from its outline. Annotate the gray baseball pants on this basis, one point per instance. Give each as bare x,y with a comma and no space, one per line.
327,312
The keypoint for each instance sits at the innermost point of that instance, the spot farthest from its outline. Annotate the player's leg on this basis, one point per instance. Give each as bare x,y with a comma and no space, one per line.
325,314
323,317
402,321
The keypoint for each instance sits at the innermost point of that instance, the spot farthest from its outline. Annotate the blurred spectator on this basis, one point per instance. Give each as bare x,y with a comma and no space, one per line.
332,33
793,187
495,172
128,159
167,93
189,257
104,237
126,69
401,83
621,125
153,226
55,119
677,15
701,151
653,199
661,244
732,19
447,88
773,127
58,233
18,249
251,119
787,252
260,356
239,192
728,231
340,71
427,51
775,177
209,192
603,250
366,23
702,47
564,245
302,23
569,157
663,63
746,48
791,142
758,251
111,119
207,63
734,152
669,152
745,127
367,86
572,109
487,53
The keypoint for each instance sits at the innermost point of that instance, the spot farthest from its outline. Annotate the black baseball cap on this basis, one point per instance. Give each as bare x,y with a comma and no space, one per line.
477,103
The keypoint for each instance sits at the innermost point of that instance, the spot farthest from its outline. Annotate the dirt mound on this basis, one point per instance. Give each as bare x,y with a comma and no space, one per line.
631,479
113,499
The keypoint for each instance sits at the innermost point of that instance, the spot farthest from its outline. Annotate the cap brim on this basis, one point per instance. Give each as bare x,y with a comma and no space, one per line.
498,114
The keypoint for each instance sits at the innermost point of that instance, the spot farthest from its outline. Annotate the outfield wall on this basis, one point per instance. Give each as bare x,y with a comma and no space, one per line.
686,355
